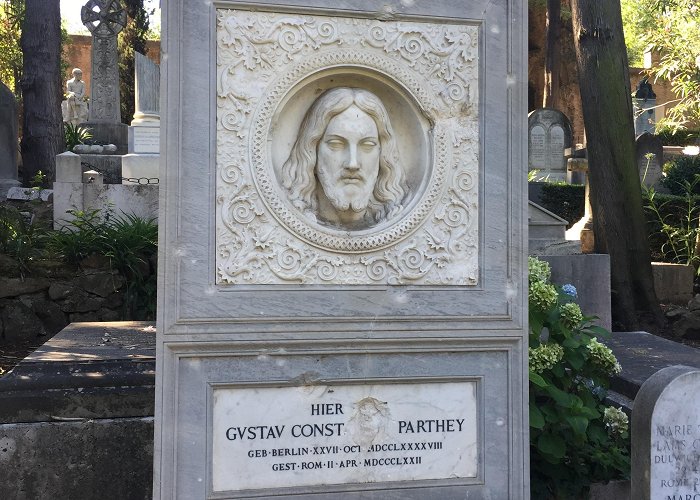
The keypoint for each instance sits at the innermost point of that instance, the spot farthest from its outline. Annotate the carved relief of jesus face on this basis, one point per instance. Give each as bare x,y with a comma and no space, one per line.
347,165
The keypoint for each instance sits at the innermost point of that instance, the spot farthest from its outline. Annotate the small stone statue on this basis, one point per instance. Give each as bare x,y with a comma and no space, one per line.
75,107
344,170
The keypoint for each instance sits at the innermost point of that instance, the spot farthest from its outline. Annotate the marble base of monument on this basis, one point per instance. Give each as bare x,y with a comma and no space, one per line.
140,168
110,133
110,166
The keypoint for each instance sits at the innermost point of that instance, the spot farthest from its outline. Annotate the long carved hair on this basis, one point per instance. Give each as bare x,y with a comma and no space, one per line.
299,171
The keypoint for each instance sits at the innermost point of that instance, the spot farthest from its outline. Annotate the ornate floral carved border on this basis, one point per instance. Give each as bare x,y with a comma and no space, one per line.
260,238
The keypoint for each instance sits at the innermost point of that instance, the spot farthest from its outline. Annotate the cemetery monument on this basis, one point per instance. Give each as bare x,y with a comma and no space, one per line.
342,270
666,436
105,19
549,136
144,133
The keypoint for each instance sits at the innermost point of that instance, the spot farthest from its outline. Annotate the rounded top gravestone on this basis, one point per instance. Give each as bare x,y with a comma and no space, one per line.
666,436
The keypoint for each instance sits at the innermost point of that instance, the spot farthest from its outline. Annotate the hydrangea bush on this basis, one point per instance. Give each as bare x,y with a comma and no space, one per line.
575,439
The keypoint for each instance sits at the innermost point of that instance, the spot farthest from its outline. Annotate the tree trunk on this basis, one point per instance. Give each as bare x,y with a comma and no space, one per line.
619,224
42,131
551,55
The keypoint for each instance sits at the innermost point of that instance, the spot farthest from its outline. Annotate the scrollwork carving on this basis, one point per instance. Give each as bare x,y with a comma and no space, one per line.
261,237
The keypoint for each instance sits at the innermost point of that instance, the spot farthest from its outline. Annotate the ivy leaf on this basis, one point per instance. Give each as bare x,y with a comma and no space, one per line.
562,398
552,445
537,379
536,417
578,424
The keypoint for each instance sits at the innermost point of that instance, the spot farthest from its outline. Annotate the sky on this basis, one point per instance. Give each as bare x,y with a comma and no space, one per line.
70,11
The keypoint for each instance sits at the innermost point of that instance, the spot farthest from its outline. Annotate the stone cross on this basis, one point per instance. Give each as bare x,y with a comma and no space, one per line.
105,19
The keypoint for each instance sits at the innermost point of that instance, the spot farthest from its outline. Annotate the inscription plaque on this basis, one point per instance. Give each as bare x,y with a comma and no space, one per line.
146,139
538,147
556,148
302,436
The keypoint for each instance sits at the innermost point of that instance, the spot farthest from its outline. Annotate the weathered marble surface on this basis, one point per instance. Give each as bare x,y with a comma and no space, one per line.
422,79
216,331
666,435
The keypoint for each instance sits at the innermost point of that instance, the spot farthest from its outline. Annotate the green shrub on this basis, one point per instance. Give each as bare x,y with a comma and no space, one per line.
680,170
566,200
75,134
673,223
677,137
575,439
128,241
18,237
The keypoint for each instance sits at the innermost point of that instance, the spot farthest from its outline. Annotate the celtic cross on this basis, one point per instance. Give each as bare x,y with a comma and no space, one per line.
103,17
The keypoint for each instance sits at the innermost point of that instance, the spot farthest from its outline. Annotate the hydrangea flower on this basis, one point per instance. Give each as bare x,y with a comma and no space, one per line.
544,357
571,315
616,421
602,356
570,290
543,295
538,270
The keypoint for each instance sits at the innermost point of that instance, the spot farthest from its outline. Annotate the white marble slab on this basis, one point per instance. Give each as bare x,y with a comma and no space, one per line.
146,140
675,441
276,437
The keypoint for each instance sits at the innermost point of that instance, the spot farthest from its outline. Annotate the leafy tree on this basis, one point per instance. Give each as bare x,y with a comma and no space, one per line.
672,28
616,200
11,15
131,39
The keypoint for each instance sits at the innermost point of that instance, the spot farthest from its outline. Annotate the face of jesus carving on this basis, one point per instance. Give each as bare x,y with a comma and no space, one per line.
344,169
347,164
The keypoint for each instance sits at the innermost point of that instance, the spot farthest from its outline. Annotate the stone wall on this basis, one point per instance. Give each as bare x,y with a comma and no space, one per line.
55,294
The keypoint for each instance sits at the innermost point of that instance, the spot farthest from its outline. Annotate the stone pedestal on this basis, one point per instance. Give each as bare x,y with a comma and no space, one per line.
583,229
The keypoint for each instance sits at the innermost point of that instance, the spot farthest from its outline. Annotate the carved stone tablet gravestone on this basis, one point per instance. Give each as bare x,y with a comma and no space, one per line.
666,436
343,263
549,135
649,154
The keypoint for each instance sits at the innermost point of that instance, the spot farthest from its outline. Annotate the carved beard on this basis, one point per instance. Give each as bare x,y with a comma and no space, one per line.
342,200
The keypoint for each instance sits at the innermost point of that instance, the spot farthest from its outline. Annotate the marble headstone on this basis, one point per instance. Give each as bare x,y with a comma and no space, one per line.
649,155
666,436
342,301
549,135
8,140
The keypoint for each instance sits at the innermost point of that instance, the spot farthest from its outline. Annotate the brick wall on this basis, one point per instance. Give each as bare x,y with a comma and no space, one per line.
79,53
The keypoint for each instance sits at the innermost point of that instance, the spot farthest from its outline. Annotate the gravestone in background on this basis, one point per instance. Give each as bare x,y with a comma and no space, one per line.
649,155
549,135
342,306
666,436
105,19
8,140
